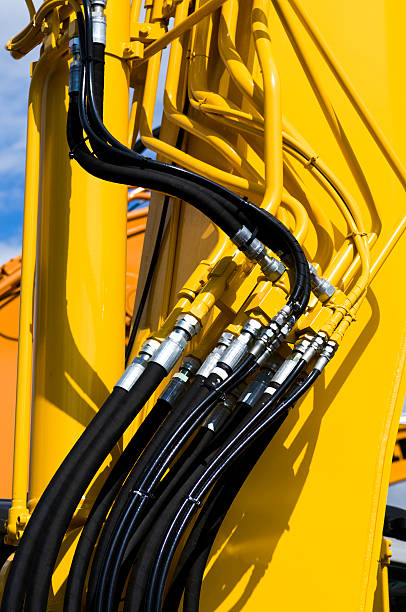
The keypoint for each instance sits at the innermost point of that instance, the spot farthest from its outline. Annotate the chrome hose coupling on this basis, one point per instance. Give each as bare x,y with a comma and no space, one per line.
273,335
253,248
99,21
173,346
213,358
75,66
326,355
137,366
321,287
237,349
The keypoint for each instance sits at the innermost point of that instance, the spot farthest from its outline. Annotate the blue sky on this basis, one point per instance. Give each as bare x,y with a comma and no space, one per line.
14,84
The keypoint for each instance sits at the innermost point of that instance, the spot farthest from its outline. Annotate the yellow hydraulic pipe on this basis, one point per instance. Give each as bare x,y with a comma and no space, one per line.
179,29
18,513
80,299
272,109
233,61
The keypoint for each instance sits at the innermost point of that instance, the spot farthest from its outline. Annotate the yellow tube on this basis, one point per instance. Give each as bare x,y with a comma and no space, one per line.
187,24
226,150
272,109
18,513
237,69
300,215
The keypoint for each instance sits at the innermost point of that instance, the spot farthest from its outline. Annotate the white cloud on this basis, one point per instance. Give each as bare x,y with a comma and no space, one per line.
9,249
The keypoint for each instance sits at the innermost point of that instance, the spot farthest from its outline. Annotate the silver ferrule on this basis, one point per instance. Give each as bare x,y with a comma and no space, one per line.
99,21
75,66
289,364
212,358
326,355
173,346
273,336
171,349
314,347
138,365
240,345
283,372
321,287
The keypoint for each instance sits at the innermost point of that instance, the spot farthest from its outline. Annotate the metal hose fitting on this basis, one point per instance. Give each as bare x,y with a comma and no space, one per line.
173,346
137,366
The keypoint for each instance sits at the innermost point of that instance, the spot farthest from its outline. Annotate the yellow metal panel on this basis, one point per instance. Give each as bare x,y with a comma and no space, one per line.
80,285
305,531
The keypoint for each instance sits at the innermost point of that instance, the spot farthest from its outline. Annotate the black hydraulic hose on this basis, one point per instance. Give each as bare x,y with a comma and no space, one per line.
104,500
217,465
56,506
288,241
183,467
193,396
191,566
166,530
156,249
158,465
129,175
162,460
194,189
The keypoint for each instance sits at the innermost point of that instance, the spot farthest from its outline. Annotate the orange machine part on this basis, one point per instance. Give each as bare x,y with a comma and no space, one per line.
10,276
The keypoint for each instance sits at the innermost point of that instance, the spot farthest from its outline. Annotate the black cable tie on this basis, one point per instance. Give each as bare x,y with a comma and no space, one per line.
77,145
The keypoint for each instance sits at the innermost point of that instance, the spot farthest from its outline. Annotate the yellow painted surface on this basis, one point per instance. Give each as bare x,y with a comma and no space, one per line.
305,531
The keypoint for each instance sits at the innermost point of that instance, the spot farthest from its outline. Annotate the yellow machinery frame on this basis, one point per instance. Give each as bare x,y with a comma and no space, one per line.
311,512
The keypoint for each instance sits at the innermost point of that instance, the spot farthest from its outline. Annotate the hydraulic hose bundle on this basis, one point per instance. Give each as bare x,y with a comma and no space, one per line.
180,460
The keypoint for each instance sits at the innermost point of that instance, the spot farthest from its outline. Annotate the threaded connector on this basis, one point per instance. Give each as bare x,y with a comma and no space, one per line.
326,355
173,346
99,21
212,358
238,348
254,250
75,66
321,287
138,365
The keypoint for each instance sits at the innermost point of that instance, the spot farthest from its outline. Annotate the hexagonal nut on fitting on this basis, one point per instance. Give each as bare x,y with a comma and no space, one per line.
189,324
